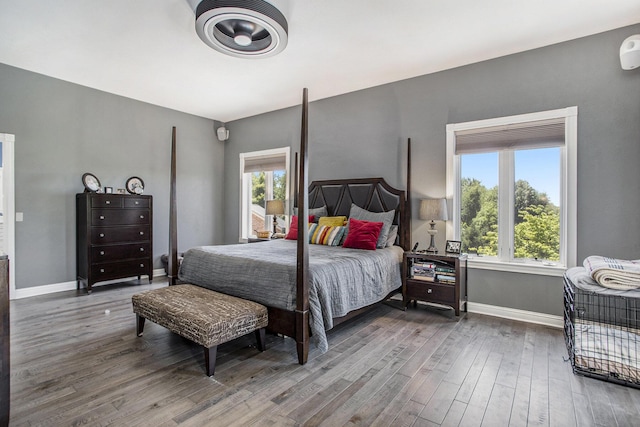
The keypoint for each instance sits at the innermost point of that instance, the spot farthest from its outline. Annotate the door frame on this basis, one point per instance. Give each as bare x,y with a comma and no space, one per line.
9,208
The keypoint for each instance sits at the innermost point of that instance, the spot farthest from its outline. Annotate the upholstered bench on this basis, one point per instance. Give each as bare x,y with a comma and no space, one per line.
201,315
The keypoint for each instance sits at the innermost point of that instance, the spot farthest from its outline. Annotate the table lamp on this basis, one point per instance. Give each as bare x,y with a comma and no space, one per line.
274,207
433,210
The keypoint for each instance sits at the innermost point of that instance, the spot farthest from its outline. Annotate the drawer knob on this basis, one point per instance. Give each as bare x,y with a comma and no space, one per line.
108,202
137,202
142,265
102,270
429,290
101,252
141,249
101,234
141,216
142,233
101,216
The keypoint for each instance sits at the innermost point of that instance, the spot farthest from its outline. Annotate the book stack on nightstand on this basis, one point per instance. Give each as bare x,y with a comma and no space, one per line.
439,279
423,271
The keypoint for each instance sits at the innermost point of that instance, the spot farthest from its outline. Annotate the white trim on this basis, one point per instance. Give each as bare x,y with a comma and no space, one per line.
8,192
244,205
518,118
515,314
568,191
494,264
72,286
45,289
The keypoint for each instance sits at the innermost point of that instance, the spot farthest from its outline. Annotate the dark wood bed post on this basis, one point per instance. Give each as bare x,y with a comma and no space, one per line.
295,181
173,222
302,264
407,210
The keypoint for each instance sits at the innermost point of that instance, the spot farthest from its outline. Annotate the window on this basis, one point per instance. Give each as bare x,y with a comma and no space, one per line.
263,176
512,181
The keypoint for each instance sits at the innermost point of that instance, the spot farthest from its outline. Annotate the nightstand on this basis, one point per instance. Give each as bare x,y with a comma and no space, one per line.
440,279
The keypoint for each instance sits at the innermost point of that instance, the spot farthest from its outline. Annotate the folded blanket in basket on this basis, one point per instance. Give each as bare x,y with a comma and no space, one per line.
614,273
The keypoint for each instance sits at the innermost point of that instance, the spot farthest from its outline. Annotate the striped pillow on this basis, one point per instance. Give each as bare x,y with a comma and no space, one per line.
312,230
327,235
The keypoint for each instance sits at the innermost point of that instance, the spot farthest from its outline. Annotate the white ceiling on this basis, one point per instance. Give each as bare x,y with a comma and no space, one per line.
149,50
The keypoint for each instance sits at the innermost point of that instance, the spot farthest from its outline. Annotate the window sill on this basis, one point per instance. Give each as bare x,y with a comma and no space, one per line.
516,267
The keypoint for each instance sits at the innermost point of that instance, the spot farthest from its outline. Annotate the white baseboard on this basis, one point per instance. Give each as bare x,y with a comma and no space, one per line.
515,314
70,286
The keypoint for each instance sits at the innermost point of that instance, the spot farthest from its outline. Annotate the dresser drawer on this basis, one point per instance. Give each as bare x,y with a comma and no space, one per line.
428,291
136,202
105,217
118,252
106,201
114,270
105,235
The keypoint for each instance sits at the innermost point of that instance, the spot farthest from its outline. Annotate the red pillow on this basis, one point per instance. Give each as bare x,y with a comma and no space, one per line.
293,228
362,234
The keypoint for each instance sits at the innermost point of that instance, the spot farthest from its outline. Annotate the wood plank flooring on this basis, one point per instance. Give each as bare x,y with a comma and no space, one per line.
73,363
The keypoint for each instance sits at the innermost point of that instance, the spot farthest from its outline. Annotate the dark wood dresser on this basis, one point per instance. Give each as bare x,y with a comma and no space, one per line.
114,237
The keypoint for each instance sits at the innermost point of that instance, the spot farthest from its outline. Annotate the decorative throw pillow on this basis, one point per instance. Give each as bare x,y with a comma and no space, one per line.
393,233
327,235
362,234
293,228
316,212
385,217
332,220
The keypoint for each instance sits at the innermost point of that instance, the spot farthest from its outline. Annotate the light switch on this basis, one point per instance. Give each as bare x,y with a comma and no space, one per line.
19,216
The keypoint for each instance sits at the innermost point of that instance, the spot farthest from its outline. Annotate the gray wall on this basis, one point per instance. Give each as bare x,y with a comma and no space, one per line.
63,130
363,134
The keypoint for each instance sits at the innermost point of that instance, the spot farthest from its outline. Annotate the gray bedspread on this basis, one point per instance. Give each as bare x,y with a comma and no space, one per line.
340,280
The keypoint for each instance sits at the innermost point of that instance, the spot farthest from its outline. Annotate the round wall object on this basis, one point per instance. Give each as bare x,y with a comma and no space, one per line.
135,185
244,29
91,182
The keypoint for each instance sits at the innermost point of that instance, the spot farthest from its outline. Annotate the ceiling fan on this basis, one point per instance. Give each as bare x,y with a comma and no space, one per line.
243,29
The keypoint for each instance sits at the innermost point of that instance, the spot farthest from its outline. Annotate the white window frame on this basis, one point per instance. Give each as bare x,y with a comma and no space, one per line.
245,187
8,206
568,194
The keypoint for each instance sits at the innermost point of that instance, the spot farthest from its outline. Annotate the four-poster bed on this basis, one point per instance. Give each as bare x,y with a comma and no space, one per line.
289,285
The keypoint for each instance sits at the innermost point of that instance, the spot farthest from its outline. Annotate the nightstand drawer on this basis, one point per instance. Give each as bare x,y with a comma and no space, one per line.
431,291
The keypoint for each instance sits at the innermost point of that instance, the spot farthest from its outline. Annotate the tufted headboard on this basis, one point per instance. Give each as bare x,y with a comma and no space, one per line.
372,194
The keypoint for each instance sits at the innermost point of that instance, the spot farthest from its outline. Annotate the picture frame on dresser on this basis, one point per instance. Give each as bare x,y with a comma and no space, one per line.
453,247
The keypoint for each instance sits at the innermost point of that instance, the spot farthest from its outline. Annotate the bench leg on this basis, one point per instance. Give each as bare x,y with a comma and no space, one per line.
262,345
210,359
139,325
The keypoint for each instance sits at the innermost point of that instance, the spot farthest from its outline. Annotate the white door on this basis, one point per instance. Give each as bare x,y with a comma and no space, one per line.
7,206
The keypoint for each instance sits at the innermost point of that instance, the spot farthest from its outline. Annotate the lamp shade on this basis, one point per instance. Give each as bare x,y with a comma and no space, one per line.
433,209
274,207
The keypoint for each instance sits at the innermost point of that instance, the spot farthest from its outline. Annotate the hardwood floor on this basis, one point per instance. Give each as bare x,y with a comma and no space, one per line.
73,363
